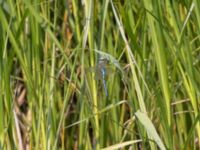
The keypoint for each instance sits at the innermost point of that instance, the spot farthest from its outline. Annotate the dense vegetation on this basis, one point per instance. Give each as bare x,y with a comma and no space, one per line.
49,98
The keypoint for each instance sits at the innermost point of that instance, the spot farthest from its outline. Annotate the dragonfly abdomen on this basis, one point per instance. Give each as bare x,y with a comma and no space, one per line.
103,71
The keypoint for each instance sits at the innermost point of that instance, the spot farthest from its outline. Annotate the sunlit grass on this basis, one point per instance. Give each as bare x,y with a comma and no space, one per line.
50,101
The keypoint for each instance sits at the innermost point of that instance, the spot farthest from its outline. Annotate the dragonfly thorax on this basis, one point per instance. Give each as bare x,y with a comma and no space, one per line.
103,62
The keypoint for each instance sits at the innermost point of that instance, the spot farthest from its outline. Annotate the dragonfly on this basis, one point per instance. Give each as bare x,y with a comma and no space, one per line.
101,71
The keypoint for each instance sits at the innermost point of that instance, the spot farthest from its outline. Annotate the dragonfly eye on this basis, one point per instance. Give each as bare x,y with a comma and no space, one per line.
103,61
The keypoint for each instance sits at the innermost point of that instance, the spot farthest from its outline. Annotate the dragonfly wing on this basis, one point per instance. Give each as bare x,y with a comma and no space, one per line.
96,70
91,69
109,70
98,75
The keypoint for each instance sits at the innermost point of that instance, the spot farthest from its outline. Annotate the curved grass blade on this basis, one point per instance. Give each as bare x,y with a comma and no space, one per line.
148,125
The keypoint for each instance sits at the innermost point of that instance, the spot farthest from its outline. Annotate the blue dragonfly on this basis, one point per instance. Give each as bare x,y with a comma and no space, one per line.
101,71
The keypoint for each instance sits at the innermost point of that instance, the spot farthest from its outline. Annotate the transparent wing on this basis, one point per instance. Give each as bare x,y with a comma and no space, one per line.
97,70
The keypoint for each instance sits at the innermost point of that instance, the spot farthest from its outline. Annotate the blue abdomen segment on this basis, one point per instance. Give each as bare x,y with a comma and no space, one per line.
103,71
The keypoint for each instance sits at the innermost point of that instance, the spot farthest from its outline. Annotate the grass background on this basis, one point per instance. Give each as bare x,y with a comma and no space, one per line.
49,101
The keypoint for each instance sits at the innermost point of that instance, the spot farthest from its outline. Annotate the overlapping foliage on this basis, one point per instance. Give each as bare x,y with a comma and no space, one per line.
49,100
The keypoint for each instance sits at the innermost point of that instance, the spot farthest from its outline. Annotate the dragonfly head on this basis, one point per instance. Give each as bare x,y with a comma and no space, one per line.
103,60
